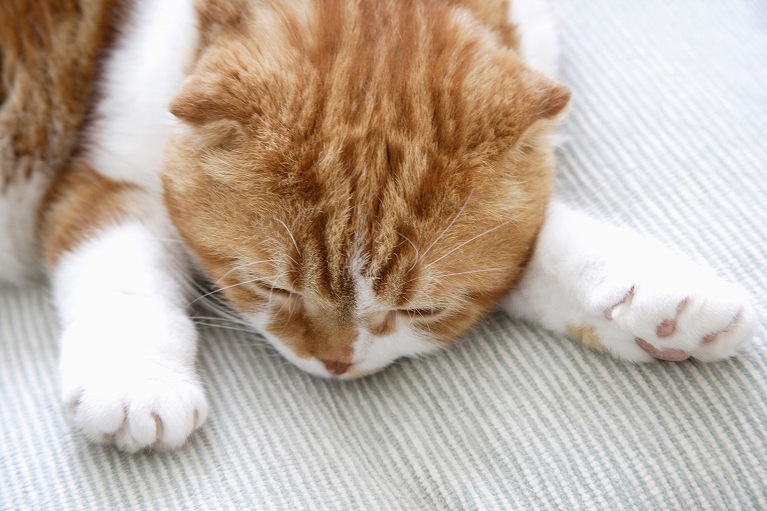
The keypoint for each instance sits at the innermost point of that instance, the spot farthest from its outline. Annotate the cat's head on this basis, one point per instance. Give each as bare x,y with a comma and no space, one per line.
363,180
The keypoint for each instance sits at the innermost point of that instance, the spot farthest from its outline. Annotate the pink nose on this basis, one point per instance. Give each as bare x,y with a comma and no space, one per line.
336,367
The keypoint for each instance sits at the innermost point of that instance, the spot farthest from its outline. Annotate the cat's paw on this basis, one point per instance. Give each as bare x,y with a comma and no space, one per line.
155,407
671,311
129,400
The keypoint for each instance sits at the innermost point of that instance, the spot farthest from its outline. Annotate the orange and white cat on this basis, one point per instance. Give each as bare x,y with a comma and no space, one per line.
360,179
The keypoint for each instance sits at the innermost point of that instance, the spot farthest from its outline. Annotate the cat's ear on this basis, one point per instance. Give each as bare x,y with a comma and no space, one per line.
547,98
204,104
528,99
198,100
519,102
207,97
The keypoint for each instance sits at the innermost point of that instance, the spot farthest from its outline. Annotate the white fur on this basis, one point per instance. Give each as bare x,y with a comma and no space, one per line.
128,346
143,75
364,295
583,269
19,260
372,353
128,136
537,30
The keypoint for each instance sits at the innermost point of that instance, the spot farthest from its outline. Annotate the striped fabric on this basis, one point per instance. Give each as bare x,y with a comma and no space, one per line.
667,133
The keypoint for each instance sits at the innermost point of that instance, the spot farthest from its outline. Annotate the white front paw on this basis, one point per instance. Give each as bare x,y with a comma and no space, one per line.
133,397
670,311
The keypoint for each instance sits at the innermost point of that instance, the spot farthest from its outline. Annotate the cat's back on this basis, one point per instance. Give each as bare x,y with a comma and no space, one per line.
85,78
48,62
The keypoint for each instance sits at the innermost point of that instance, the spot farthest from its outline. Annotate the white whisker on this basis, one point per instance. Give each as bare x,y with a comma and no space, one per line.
274,284
470,240
226,327
455,219
437,277
417,254
290,233
241,266
228,287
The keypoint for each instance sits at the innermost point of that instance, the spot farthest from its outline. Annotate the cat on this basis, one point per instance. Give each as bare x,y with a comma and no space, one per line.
361,180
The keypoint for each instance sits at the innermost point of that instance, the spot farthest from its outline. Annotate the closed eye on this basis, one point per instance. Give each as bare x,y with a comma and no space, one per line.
273,290
426,313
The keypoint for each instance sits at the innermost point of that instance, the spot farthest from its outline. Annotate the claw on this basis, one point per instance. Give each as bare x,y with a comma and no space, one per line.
629,296
74,405
158,426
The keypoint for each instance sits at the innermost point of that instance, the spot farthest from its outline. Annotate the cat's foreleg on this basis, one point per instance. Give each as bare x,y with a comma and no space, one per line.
127,345
628,295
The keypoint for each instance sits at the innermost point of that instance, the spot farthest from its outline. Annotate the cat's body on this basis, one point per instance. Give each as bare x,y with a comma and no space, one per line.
361,180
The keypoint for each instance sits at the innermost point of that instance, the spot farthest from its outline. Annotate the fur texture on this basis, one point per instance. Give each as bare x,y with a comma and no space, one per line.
360,180
48,63
350,210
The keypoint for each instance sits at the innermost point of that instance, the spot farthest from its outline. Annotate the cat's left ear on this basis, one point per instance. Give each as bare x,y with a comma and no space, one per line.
528,98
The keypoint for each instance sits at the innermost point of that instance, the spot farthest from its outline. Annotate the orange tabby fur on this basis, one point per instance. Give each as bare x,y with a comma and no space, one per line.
320,134
405,139
48,61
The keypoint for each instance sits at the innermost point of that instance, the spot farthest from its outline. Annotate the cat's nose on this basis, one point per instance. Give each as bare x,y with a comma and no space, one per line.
336,366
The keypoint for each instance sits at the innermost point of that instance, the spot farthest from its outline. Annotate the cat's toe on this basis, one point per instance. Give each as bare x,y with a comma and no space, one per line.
97,415
158,412
706,326
673,316
165,420
725,342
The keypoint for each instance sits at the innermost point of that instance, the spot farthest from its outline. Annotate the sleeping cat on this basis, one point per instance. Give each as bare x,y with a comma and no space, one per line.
361,180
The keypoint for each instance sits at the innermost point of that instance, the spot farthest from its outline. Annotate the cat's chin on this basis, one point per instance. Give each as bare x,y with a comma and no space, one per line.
316,367
352,374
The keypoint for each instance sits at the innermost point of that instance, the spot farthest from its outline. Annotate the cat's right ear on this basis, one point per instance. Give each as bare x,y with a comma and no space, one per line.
209,97
205,105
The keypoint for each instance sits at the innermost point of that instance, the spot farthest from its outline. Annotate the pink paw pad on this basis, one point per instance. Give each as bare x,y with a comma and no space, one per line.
664,354
668,326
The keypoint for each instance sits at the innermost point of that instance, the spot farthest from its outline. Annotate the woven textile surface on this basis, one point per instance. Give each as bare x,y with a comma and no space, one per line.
667,133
